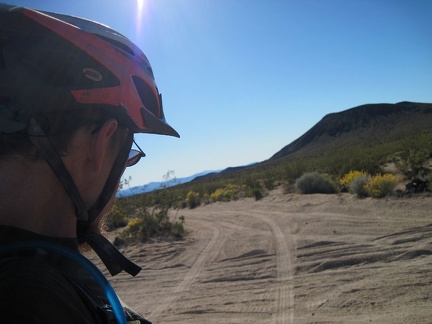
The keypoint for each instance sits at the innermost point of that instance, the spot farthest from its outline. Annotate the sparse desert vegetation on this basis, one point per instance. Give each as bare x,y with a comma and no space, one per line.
358,170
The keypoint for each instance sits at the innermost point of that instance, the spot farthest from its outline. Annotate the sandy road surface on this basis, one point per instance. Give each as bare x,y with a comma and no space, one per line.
290,259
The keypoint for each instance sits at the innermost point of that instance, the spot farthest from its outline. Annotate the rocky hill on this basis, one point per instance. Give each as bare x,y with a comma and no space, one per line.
371,123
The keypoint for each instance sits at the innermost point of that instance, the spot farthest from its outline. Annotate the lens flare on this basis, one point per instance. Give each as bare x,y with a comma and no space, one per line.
139,17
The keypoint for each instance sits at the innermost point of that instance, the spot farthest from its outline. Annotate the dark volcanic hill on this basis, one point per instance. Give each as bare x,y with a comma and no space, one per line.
371,123
383,126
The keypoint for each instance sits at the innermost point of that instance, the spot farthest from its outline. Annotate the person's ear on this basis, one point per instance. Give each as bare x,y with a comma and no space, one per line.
100,143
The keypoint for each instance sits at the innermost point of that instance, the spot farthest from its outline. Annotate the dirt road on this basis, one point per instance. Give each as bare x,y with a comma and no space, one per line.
290,259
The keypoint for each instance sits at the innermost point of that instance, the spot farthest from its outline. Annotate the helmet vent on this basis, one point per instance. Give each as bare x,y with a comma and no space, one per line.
117,44
147,96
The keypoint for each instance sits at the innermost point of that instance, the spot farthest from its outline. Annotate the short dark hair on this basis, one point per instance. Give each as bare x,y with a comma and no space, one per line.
60,127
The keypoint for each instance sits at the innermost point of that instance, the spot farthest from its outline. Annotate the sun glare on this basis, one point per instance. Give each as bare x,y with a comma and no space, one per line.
140,5
139,17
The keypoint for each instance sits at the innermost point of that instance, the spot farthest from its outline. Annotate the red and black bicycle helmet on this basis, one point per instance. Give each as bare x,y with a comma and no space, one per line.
87,63
54,62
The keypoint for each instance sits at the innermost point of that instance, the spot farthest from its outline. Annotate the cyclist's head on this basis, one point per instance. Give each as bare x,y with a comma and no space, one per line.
59,73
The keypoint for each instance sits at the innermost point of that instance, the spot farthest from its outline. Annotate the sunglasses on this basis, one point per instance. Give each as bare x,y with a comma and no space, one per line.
134,155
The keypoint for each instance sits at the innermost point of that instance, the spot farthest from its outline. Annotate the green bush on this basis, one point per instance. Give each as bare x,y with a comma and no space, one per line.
206,199
349,177
357,185
413,161
313,182
115,218
192,199
153,223
254,188
429,182
293,169
256,192
177,228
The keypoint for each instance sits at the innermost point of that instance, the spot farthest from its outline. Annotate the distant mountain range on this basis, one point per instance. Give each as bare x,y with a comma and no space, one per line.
367,124
163,184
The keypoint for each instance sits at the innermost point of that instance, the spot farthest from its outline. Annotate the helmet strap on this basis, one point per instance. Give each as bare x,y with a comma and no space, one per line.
51,156
113,179
111,257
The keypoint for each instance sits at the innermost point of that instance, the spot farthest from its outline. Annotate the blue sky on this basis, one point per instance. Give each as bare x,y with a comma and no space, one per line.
243,78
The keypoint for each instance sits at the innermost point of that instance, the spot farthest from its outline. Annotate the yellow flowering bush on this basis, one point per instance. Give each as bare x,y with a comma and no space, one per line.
221,194
134,222
230,192
350,176
381,185
192,199
149,223
134,229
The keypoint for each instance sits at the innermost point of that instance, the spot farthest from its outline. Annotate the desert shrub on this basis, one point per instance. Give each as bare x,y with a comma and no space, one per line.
177,228
313,182
163,197
294,169
413,160
206,199
380,186
218,195
222,194
181,205
115,218
357,185
192,199
288,187
429,182
269,184
255,192
140,228
347,179
230,192
253,188
427,178
153,223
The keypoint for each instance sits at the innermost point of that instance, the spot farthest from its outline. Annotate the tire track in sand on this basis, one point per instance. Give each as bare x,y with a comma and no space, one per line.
212,248
285,268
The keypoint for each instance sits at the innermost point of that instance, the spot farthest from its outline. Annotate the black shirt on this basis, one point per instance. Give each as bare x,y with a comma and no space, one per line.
37,286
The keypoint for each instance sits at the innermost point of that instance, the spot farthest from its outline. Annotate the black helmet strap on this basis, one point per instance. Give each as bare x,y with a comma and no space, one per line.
111,257
48,152
113,179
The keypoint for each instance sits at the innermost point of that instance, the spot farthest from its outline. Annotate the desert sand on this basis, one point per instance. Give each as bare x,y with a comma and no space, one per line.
290,258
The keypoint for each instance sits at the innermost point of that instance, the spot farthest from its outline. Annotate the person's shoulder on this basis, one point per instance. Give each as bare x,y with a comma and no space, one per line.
33,290
28,272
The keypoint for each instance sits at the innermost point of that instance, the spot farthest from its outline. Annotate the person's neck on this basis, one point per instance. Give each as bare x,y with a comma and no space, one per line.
32,198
